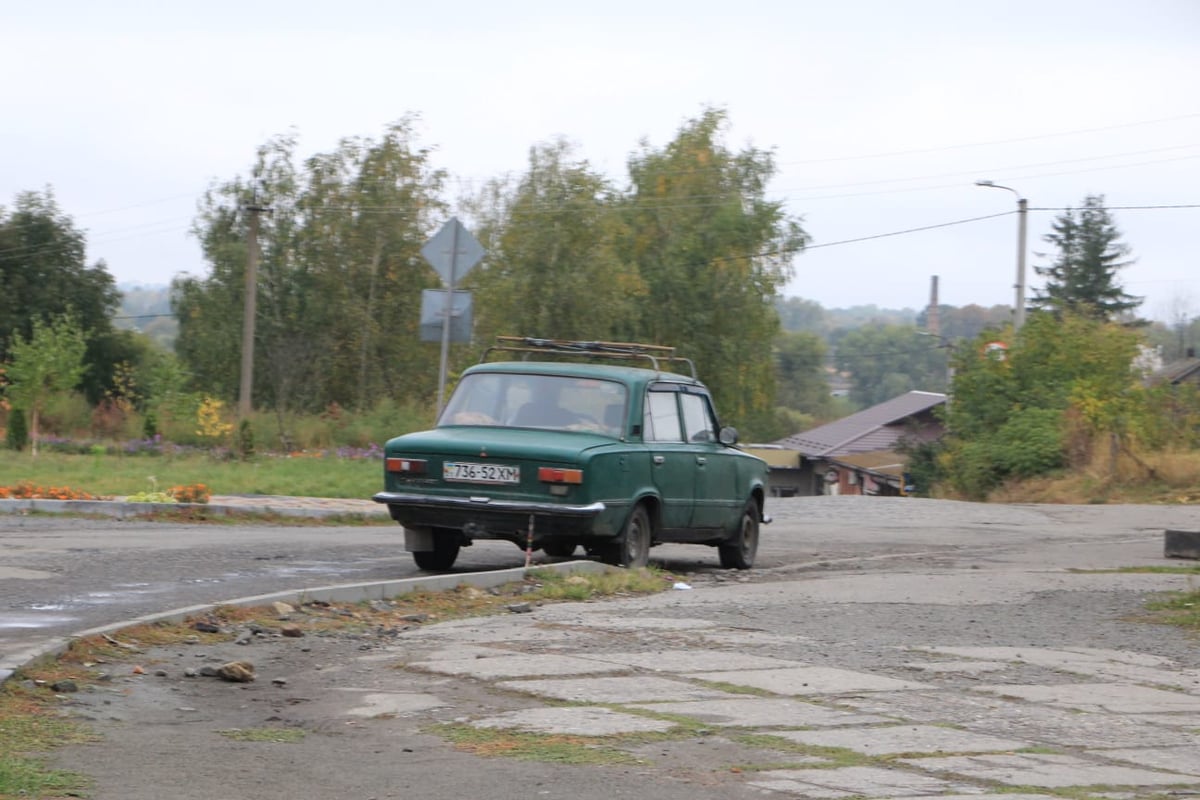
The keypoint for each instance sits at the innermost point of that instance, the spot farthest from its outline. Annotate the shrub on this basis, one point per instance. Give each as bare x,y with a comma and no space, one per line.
17,435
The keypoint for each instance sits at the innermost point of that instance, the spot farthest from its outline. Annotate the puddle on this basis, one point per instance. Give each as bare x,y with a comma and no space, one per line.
32,621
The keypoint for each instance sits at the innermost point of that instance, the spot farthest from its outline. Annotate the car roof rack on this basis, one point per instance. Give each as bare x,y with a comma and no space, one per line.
654,353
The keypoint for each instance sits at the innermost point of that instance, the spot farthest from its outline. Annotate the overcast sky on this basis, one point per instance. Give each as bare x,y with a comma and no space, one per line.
881,115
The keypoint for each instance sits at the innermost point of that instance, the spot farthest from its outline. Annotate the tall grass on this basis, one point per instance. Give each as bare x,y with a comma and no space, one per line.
1158,477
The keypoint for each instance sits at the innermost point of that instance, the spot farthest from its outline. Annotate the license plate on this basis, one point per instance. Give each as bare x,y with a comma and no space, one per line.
480,473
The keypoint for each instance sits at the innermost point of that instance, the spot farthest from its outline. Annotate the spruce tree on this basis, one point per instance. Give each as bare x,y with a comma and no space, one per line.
1083,276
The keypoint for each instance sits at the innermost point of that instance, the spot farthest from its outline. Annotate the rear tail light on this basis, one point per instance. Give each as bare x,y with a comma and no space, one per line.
556,475
412,466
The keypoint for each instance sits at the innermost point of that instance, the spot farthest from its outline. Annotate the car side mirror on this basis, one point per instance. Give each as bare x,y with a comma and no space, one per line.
728,435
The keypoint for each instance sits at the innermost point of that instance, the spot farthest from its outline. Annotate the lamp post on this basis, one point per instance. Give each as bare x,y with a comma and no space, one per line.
1022,213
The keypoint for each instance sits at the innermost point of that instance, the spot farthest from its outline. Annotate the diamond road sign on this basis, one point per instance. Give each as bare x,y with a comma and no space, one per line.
452,251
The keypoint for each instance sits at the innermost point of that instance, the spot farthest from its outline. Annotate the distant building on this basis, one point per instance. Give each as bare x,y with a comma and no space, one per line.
1184,370
856,454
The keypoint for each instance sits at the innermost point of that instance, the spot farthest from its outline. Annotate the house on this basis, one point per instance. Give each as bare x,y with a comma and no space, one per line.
1184,370
856,454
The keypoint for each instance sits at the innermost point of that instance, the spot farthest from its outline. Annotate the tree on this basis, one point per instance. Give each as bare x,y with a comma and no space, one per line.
1083,276
714,253
339,280
43,274
885,361
1011,413
553,268
800,374
51,360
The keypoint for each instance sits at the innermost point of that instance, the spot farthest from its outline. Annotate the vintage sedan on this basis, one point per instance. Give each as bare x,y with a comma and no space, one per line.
560,454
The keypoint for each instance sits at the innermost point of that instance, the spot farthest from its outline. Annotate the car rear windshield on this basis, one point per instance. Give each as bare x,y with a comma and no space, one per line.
553,402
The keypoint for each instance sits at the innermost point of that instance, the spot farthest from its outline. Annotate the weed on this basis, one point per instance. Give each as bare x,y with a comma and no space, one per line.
550,748
273,735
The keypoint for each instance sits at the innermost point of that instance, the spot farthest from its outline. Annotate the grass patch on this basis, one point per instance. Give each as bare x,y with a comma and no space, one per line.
272,735
1181,609
113,475
831,757
548,748
734,688
29,726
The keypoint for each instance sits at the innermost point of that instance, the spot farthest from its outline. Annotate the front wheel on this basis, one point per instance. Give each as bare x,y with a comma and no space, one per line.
441,557
632,548
739,554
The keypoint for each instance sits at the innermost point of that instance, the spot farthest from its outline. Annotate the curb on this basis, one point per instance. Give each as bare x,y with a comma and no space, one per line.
338,593
122,510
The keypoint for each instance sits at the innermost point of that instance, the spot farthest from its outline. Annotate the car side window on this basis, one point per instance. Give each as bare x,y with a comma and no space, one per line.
698,424
662,418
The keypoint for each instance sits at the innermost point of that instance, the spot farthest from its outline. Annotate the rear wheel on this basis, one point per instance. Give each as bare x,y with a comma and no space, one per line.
739,554
632,548
441,557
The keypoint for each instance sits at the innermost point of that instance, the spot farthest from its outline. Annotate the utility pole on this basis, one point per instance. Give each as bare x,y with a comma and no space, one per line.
1022,215
249,310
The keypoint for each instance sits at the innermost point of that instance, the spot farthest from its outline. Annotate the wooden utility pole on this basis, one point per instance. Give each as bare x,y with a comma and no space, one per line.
249,310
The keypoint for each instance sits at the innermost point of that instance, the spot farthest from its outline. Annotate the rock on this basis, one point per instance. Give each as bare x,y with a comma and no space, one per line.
160,673
236,672
244,638
283,610
191,672
418,618
291,631
279,681
64,686
520,608
210,672
381,606
206,627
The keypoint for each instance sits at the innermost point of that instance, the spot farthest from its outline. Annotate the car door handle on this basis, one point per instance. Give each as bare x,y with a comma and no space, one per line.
659,459
701,460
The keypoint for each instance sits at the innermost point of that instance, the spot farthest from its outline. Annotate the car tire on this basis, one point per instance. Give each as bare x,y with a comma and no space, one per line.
441,557
632,548
740,553
559,548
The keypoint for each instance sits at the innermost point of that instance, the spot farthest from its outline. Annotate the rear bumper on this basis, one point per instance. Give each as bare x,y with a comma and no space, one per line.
487,504
489,518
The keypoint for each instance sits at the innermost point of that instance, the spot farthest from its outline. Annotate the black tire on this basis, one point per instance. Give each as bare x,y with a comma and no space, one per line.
559,548
739,554
441,557
632,548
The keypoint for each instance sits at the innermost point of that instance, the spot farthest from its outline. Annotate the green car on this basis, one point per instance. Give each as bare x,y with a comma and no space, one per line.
552,450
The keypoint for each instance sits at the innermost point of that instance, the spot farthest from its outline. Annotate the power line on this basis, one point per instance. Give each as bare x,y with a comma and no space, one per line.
910,230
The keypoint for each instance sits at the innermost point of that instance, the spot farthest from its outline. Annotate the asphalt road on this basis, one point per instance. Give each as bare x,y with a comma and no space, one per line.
59,575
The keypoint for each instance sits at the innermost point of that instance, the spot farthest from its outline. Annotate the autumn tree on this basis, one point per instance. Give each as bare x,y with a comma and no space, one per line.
339,280
1088,253
554,266
713,252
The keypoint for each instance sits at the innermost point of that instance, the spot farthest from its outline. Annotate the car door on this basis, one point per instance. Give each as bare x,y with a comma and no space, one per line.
715,503
672,460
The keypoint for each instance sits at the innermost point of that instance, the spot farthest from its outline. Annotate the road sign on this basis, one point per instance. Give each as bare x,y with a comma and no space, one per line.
433,316
452,251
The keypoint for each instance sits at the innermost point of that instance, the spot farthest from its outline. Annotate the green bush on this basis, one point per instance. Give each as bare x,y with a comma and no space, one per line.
16,436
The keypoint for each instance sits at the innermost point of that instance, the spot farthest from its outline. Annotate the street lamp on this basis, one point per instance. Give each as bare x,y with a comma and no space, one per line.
1022,209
